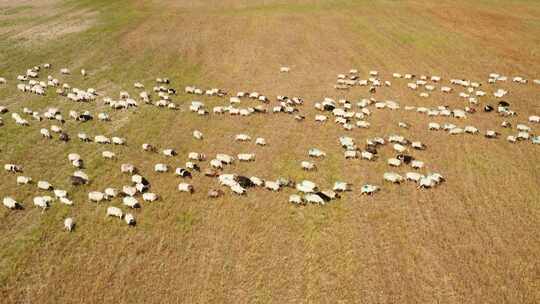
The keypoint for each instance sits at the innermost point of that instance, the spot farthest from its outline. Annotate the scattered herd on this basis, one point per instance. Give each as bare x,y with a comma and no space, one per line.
348,115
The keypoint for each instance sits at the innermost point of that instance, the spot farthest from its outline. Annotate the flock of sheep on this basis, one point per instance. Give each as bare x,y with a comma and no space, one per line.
346,114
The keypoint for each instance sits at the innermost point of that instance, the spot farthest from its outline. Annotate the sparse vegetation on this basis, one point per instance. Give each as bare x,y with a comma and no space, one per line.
475,240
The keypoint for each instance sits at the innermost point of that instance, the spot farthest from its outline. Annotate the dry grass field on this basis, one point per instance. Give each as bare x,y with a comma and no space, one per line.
473,239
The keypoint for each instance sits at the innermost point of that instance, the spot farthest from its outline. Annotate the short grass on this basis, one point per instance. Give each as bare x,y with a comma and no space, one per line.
473,240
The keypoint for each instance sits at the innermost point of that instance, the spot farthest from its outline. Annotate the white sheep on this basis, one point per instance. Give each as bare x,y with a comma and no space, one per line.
184,187
115,211
131,202
392,177
534,118
127,168
169,152
237,189
413,176
66,201
306,186
433,126
260,141
148,147
43,185
296,199
10,203
45,133
224,158
394,162
41,202
110,193
308,166
95,196
108,155
216,163
100,139
197,135
58,193
369,189
351,154
284,69
242,137
130,219
471,130
272,185
23,180
417,164
118,141
341,186
320,118
314,152
69,224
129,190
456,131
246,157
313,199
150,197
367,155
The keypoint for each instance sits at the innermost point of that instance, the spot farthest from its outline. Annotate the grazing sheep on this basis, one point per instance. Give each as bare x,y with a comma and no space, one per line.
23,180
272,185
392,177
511,139
42,202
128,168
161,168
341,187
131,202
351,154
369,189
66,201
197,135
456,131
215,193
314,152
418,145
491,134
118,141
10,203
148,148
182,173
100,139
108,155
433,126
83,137
58,193
242,137
416,164
169,152
129,191
45,133
534,119
471,130
216,163
306,186
367,155
426,182
308,166
296,199
260,141
184,187
150,197
115,211
69,224
130,219
313,199
96,196
394,162
246,157
523,135
43,185
284,69
224,158
413,176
